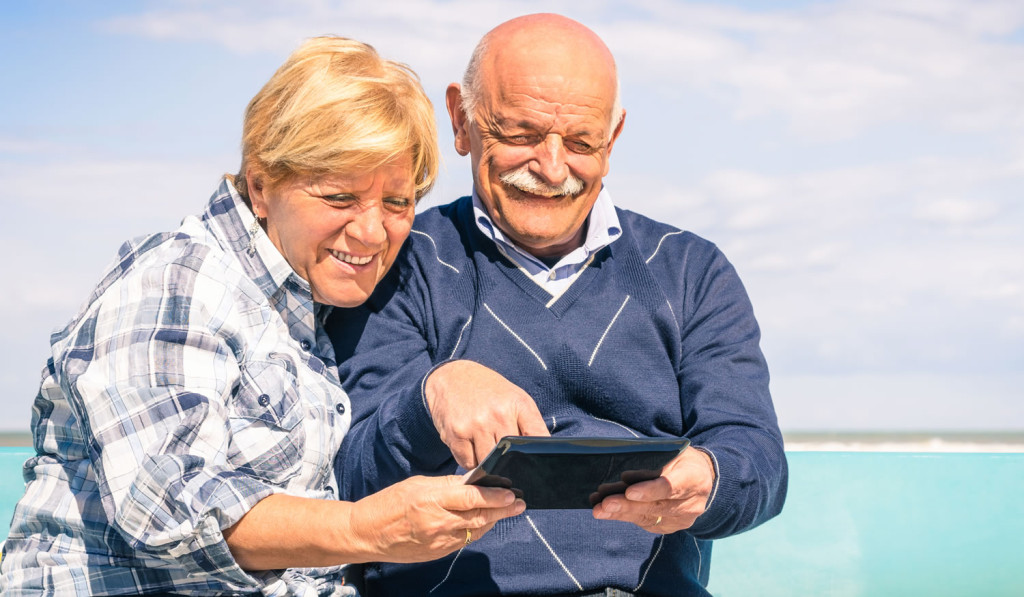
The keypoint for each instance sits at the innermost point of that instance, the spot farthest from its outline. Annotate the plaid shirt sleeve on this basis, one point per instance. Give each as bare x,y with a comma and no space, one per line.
148,372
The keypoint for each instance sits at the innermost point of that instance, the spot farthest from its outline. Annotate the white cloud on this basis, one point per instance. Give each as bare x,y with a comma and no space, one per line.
863,268
956,210
900,401
70,215
432,36
26,146
833,69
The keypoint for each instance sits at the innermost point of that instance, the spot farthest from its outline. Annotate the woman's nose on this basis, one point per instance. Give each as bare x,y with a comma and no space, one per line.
367,226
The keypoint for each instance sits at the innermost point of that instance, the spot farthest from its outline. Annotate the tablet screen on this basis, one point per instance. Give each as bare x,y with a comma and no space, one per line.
575,472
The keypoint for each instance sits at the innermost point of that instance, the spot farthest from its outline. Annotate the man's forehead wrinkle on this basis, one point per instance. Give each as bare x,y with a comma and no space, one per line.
527,108
545,120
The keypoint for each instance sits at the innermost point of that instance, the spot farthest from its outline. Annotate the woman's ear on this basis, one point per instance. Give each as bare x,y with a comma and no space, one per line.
254,182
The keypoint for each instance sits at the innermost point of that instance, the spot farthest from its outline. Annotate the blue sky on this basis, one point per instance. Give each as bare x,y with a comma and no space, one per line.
860,162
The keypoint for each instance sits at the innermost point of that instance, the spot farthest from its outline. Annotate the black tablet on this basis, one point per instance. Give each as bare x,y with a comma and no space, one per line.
573,472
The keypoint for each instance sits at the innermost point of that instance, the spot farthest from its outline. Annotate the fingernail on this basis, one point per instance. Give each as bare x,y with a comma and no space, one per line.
612,507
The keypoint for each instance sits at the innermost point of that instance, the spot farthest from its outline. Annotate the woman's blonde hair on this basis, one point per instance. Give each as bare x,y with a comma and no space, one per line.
336,106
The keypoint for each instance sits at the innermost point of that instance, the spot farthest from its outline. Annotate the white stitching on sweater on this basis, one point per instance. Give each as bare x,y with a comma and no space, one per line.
436,252
700,557
557,559
658,248
643,579
516,336
635,434
601,341
714,489
673,312
450,568
423,391
459,341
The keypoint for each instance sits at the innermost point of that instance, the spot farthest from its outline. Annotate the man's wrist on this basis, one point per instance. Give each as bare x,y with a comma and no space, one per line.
712,462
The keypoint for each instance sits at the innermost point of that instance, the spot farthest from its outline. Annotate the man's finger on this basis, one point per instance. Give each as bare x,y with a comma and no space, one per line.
530,421
462,450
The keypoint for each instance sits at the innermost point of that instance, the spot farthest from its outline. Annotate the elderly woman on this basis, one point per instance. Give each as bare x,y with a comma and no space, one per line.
189,416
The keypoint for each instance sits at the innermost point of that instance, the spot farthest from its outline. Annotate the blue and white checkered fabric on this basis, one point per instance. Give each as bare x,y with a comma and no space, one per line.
196,381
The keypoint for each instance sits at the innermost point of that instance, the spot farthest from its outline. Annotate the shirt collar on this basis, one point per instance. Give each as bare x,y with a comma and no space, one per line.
603,228
231,221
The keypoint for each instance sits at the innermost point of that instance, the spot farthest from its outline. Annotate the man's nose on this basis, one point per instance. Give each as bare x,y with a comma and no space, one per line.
550,160
367,226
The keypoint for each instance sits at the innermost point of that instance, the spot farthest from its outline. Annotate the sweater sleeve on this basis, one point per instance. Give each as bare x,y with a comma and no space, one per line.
384,357
724,396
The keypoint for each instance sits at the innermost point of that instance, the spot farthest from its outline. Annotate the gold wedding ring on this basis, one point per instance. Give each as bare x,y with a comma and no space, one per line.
657,522
469,536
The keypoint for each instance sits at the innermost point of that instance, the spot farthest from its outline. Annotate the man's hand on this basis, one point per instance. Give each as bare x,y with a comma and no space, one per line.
670,503
474,406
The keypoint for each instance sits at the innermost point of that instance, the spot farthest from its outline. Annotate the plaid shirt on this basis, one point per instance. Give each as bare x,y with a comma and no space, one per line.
196,381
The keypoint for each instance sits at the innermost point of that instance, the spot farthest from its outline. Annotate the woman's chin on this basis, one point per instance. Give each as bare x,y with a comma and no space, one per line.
345,296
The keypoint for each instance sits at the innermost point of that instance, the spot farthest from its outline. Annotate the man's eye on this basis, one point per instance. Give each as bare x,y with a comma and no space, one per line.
579,147
520,139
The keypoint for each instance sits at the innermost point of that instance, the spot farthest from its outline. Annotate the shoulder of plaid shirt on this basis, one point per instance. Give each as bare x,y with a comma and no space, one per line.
194,382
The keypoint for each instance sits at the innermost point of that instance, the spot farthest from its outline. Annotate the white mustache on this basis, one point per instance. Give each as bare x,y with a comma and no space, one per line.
528,182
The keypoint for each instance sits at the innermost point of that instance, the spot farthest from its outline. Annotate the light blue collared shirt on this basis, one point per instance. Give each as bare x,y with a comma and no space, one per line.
602,229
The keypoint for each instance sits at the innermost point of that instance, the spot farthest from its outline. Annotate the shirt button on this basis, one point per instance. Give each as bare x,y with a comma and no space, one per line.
263,400
305,345
340,408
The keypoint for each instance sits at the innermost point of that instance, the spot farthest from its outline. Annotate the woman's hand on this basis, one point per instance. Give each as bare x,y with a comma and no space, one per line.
424,518
419,519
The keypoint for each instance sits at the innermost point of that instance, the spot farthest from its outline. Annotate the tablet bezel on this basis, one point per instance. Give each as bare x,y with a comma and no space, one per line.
573,472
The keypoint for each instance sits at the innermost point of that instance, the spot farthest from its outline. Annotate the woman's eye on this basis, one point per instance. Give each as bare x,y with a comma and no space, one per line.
341,199
398,203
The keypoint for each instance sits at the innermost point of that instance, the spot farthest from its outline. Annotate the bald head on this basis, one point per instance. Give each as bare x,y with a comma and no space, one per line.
542,46
538,114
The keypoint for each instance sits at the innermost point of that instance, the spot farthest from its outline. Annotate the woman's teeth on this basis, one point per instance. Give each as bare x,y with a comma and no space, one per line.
352,258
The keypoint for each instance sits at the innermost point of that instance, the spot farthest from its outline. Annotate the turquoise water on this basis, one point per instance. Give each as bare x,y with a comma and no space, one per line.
855,524
885,524
11,483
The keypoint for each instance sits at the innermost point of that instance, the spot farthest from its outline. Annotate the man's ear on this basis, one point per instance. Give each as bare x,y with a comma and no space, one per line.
254,183
460,123
611,142
617,131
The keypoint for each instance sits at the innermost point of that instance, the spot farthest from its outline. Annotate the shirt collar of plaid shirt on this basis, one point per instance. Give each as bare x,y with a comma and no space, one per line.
267,267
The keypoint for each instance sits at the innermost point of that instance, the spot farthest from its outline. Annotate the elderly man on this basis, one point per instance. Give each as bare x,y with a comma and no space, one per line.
537,307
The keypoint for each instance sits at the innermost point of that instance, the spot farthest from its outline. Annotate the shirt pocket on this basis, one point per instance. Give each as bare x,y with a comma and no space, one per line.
267,441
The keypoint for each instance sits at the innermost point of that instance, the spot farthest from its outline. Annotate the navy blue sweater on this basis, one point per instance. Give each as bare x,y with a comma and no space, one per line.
656,338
